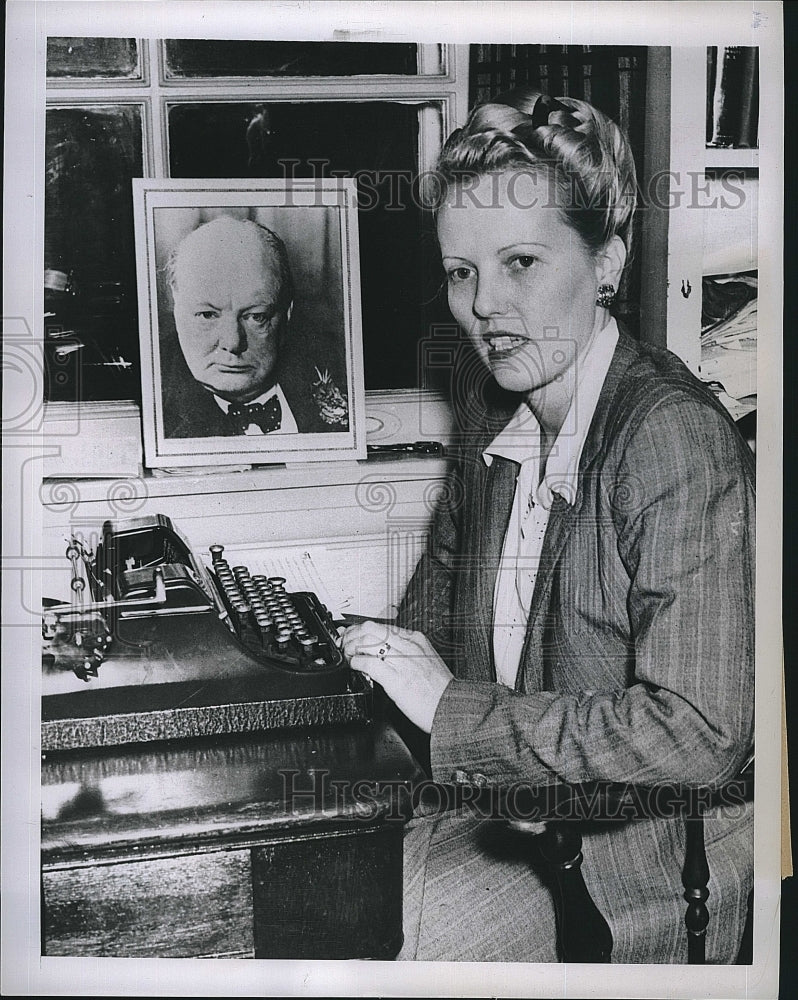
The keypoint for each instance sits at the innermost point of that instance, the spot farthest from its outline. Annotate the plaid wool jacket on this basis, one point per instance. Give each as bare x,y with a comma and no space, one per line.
638,663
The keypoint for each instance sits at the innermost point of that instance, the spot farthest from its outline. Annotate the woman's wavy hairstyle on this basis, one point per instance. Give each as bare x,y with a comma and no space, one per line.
586,154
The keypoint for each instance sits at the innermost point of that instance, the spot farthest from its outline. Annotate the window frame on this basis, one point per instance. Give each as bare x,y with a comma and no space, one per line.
392,416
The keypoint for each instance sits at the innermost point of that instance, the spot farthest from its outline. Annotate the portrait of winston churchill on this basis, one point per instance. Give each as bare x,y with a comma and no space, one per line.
236,366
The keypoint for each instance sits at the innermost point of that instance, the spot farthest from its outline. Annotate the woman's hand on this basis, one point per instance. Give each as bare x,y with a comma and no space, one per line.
404,663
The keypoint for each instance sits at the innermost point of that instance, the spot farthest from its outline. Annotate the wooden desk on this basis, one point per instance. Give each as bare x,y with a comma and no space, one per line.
287,845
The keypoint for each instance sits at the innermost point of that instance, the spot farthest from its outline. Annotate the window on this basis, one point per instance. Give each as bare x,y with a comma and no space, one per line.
205,58
91,155
374,141
119,108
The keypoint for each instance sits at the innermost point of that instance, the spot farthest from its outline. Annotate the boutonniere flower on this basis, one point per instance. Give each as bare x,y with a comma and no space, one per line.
332,403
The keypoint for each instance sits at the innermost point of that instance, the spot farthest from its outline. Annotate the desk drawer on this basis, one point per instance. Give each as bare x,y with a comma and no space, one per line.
329,897
178,907
332,895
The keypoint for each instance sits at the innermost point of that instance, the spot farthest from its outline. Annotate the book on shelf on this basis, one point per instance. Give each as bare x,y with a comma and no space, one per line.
732,96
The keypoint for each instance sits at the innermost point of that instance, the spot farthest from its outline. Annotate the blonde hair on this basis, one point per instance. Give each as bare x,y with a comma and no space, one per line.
586,153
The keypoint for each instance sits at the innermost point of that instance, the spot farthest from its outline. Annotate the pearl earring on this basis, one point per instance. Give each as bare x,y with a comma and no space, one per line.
606,296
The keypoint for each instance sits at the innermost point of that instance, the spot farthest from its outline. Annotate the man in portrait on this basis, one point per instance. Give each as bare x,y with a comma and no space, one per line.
238,368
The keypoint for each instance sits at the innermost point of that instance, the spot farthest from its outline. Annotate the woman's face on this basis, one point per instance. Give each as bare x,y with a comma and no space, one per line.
521,283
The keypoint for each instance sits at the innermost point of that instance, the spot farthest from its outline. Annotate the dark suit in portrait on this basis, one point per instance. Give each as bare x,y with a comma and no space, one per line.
190,410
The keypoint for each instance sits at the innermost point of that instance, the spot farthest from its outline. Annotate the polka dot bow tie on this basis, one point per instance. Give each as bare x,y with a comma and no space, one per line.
268,416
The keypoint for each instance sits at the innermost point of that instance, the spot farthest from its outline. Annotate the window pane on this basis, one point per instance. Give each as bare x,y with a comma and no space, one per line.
205,57
104,58
91,327
376,142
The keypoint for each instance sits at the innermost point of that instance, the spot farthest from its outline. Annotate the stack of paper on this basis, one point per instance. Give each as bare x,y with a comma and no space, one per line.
728,355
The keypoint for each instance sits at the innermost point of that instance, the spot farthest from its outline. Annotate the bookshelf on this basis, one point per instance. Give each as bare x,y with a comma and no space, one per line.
704,221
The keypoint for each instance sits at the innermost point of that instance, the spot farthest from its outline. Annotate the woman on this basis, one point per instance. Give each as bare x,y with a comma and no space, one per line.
585,608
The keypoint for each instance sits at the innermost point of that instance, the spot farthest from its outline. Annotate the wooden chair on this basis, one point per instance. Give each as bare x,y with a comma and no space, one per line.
583,935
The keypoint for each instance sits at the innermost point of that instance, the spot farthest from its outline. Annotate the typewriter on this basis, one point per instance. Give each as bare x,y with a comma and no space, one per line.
156,645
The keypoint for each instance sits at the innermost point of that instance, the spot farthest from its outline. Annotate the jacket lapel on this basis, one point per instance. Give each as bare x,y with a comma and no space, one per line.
561,521
491,489
627,351
563,517
497,503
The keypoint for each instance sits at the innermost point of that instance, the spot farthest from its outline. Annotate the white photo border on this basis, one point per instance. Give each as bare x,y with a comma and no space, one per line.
335,195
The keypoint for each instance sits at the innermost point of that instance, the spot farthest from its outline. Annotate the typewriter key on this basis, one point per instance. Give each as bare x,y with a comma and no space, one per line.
265,628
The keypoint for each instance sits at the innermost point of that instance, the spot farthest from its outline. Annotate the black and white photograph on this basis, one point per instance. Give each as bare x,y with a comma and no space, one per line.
392,564
253,335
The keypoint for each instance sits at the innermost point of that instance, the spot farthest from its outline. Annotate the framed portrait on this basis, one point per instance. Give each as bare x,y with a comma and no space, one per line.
249,305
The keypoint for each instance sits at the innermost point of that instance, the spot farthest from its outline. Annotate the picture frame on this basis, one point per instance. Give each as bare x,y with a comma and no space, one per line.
301,345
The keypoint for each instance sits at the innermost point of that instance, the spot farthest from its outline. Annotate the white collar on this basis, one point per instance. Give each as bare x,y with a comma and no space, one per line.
519,440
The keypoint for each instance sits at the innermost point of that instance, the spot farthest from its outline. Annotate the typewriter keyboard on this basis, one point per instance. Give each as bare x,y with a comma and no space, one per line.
293,629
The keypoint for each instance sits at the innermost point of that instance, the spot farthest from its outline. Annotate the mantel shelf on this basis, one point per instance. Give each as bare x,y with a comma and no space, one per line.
308,475
718,158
